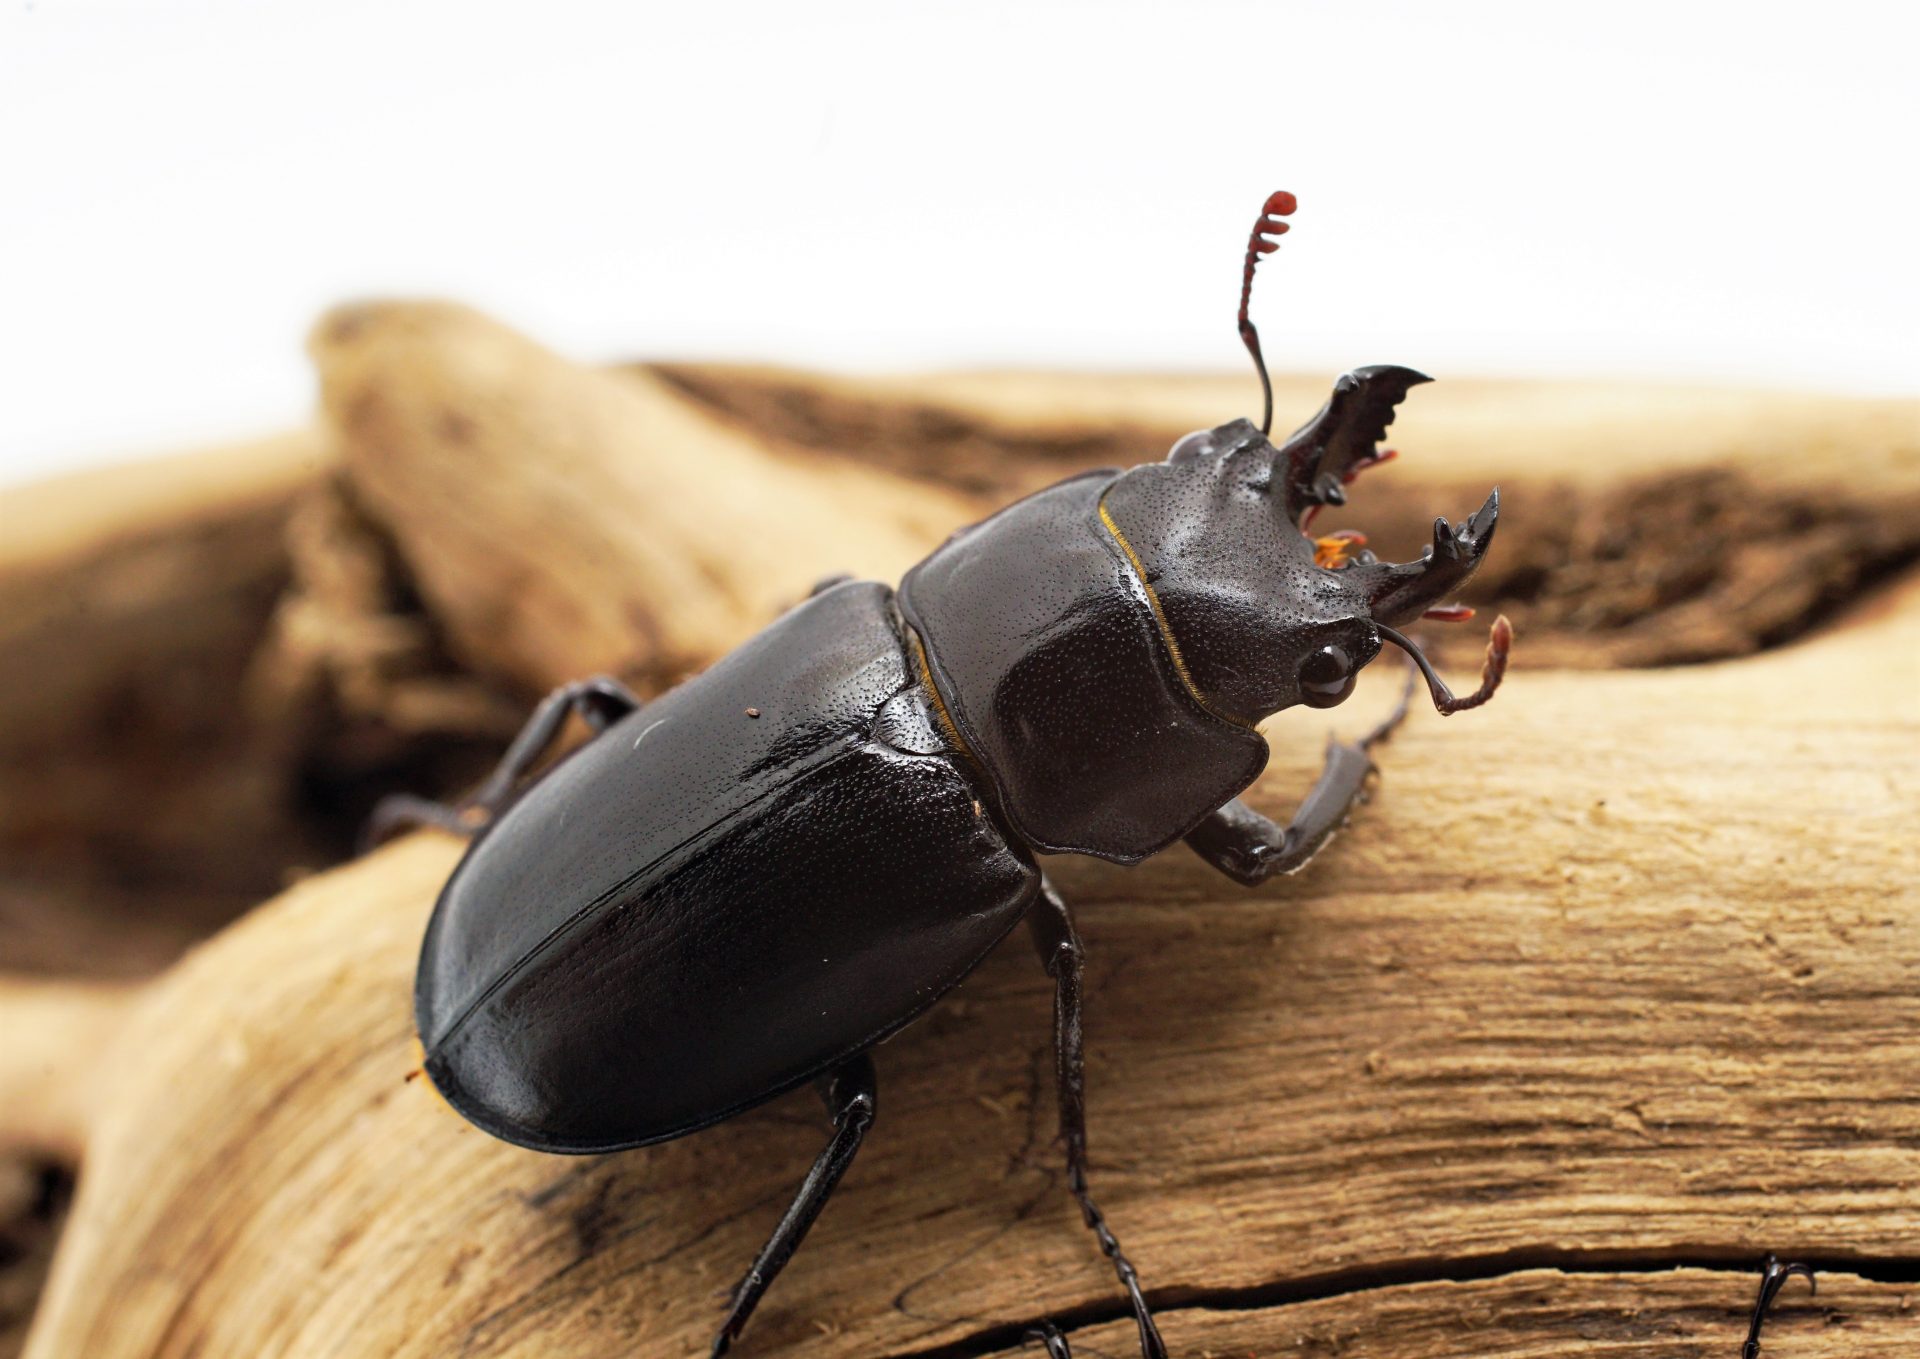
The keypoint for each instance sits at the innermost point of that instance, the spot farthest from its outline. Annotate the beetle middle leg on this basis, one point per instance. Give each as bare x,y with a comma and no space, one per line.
601,702
1250,848
1061,955
849,1091
1773,1277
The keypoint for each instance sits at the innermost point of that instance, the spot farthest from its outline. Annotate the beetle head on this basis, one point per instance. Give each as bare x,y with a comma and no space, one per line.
1261,613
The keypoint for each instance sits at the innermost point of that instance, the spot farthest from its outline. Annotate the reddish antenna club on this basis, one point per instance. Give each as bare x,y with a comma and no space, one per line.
1263,241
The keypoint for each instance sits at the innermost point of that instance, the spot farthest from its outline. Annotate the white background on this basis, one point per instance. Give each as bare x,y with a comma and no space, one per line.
1719,192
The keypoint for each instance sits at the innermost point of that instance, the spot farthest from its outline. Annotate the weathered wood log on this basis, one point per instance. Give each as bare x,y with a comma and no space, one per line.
1682,1314
1647,525
244,629
463,445
130,603
47,1071
560,519
1621,975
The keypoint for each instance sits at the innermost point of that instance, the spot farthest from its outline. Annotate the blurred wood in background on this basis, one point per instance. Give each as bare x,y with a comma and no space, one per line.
1616,976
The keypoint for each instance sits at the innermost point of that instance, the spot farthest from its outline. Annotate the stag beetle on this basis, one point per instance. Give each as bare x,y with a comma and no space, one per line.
745,884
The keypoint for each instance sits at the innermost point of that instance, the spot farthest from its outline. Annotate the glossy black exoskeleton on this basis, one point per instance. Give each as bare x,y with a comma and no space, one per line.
1773,1277
744,885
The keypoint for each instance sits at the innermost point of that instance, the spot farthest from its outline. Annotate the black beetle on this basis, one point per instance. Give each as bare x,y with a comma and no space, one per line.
745,884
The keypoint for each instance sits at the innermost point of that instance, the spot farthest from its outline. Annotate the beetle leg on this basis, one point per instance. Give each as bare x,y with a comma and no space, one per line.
1250,848
1773,1277
600,702
403,811
850,1094
1049,1335
1061,955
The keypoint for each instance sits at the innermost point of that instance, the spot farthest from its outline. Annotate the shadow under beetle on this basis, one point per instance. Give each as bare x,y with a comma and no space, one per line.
745,884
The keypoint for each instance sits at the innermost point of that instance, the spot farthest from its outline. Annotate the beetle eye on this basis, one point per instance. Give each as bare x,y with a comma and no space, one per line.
1327,677
1195,445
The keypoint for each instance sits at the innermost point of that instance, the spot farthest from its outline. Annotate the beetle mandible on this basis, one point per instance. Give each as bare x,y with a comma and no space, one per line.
745,884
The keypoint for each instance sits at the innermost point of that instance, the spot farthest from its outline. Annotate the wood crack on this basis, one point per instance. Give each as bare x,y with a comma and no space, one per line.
991,1340
1628,960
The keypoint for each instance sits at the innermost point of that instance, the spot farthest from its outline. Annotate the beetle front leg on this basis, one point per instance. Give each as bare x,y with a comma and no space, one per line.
850,1093
1250,848
1061,955
601,702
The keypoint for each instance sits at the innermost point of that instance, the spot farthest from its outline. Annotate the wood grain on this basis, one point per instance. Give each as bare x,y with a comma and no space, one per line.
1645,524
1623,971
562,519
1681,1314
245,627
1614,978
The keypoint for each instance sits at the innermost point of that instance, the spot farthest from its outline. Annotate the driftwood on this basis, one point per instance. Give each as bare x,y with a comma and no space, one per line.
561,521
1648,525
130,601
245,628
1616,978
1565,1021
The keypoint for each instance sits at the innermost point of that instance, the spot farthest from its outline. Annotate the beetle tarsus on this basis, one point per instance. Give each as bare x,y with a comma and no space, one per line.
1048,1334
600,701
1773,1277
399,812
1250,848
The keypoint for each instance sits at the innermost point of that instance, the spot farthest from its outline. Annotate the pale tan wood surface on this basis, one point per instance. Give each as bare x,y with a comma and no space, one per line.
563,519
1684,1314
48,1068
1644,525
1591,431
244,627
1617,974
1585,430
1623,969
63,521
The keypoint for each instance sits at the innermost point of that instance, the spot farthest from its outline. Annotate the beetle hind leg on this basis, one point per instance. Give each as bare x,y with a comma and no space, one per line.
849,1092
1048,1334
600,702
1061,955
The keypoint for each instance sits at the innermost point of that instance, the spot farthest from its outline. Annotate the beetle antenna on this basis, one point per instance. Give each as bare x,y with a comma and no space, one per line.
1392,721
1278,205
1499,645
